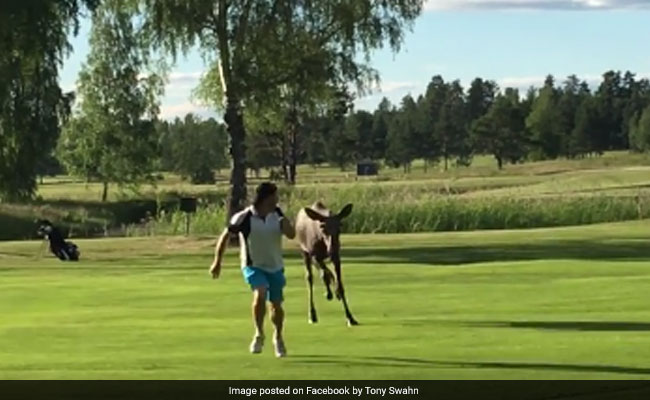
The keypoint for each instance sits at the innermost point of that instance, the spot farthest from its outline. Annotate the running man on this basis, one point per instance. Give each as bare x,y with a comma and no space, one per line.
260,228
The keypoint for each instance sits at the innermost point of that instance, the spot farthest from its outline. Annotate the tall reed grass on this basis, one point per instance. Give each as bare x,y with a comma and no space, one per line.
380,211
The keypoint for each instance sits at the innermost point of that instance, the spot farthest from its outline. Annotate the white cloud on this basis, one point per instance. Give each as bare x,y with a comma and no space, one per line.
178,94
394,91
182,82
523,83
185,76
395,86
68,87
171,111
366,103
431,5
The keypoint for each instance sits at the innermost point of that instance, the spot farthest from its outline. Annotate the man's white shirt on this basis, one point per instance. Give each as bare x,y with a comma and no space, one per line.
260,238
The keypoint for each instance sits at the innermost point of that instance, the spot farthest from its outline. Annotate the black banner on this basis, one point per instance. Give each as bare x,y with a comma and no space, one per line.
364,390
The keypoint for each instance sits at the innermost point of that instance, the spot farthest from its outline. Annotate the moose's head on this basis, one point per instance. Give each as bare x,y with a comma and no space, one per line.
330,224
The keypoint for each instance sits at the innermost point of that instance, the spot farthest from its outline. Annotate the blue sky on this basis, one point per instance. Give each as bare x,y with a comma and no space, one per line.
515,42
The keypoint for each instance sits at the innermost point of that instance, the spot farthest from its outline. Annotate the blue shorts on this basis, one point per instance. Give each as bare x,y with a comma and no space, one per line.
274,282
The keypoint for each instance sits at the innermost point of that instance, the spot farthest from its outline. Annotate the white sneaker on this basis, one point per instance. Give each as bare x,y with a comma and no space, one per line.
257,344
280,349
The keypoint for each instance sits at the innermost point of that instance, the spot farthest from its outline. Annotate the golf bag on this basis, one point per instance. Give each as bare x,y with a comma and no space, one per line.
63,250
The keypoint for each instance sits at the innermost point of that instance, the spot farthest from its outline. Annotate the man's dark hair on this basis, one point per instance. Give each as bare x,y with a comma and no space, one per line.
264,191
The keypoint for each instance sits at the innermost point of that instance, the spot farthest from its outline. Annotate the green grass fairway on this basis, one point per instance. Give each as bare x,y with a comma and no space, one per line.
571,303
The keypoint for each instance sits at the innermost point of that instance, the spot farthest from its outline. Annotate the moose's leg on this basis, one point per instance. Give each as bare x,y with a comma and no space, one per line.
309,276
340,292
328,278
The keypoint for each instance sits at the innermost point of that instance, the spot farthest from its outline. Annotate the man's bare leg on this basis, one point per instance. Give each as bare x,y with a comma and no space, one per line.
277,317
259,312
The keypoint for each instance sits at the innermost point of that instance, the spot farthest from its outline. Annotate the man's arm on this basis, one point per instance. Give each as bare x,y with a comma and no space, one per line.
233,230
288,229
219,250
285,225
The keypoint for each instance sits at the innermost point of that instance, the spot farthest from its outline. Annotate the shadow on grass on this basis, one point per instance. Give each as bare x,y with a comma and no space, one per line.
438,364
620,250
579,326
630,250
587,326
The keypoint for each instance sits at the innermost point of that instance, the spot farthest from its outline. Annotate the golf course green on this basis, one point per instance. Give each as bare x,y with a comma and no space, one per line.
563,303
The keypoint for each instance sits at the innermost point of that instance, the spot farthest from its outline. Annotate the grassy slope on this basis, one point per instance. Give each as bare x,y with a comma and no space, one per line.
616,168
76,205
562,303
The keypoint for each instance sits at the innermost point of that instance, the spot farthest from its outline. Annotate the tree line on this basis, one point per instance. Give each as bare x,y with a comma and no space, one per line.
448,124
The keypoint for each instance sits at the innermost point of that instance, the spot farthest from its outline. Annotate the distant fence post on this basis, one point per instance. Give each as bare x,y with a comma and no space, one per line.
188,206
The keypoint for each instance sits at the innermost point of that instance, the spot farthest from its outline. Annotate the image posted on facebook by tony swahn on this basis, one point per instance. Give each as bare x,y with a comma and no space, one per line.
366,199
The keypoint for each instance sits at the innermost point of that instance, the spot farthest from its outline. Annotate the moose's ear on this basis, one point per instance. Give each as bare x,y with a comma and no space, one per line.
345,212
316,216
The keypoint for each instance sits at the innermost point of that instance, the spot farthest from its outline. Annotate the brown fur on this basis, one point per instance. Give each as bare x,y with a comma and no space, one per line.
309,233
319,241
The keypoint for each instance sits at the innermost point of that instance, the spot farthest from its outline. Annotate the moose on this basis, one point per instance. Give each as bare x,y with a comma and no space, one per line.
318,231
